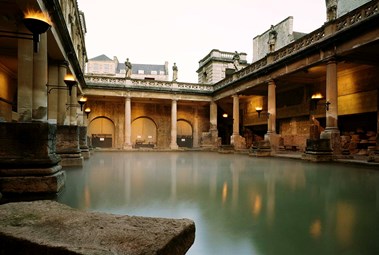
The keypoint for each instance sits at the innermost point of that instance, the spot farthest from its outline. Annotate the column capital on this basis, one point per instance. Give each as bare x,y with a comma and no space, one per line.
271,82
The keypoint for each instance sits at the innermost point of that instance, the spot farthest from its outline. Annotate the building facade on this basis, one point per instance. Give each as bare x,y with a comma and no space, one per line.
103,65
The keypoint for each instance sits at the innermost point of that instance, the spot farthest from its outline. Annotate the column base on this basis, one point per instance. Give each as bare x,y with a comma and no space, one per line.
318,150
333,134
74,159
33,183
238,142
174,147
273,139
260,149
28,160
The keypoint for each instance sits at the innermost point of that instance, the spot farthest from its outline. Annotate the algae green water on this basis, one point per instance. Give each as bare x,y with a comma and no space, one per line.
240,204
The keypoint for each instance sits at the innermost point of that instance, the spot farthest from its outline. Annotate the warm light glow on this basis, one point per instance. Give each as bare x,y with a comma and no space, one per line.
258,108
256,205
69,77
317,96
83,100
315,229
87,110
224,192
225,115
33,14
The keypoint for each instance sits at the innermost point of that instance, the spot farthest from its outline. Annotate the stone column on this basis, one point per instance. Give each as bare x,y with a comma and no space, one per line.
62,94
271,108
173,145
236,140
196,129
72,106
213,115
236,119
40,70
25,80
331,131
128,124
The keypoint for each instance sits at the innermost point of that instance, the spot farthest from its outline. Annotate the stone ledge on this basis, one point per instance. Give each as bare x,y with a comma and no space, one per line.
47,227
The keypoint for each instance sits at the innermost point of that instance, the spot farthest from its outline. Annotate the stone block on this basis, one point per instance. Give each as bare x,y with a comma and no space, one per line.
27,145
47,227
33,184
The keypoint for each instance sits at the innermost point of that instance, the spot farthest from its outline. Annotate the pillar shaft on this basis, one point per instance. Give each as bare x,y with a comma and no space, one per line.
331,95
25,80
39,81
213,115
62,94
128,125
331,131
271,107
236,118
72,106
173,144
196,129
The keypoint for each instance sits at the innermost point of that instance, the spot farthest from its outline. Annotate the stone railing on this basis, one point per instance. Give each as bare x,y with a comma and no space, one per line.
97,81
344,22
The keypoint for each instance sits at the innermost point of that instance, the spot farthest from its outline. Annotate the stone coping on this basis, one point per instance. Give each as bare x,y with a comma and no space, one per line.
48,227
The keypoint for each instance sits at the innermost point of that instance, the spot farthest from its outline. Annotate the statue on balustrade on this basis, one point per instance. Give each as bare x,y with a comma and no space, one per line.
174,72
128,68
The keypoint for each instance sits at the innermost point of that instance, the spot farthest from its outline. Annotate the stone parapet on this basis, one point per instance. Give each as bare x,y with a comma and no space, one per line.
47,227
83,143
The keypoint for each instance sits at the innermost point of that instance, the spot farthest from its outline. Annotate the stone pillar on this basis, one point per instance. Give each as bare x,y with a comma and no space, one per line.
40,70
271,135
52,95
128,124
72,106
173,145
331,131
62,94
196,129
213,115
236,117
25,80
236,140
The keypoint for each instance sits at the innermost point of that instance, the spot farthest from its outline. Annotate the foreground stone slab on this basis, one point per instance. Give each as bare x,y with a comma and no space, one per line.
47,227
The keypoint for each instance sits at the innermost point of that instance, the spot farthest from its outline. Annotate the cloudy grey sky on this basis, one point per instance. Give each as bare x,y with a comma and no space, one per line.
152,32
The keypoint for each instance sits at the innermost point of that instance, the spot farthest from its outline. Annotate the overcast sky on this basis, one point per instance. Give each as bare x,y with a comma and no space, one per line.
155,31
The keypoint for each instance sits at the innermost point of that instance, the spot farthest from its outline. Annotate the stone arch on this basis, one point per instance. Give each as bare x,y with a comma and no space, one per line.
144,132
102,132
184,131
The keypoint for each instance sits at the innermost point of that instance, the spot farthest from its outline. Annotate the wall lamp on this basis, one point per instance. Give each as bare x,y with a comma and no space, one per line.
36,22
315,98
225,115
87,111
82,100
259,110
70,82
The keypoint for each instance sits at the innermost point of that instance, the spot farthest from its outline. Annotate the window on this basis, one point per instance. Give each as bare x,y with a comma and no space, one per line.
154,72
141,71
161,72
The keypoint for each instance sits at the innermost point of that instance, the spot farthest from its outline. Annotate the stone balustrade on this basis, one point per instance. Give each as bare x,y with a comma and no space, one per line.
154,85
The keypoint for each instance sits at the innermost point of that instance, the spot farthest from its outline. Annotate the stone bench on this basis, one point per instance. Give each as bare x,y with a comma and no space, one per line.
47,227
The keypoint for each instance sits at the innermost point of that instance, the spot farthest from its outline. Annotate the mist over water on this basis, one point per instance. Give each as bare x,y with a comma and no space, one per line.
240,204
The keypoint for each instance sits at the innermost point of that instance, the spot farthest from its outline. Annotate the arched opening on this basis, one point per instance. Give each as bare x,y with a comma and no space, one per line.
101,131
184,136
144,133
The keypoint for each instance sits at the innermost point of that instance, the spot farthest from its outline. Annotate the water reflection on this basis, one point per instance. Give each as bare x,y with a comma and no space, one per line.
241,205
